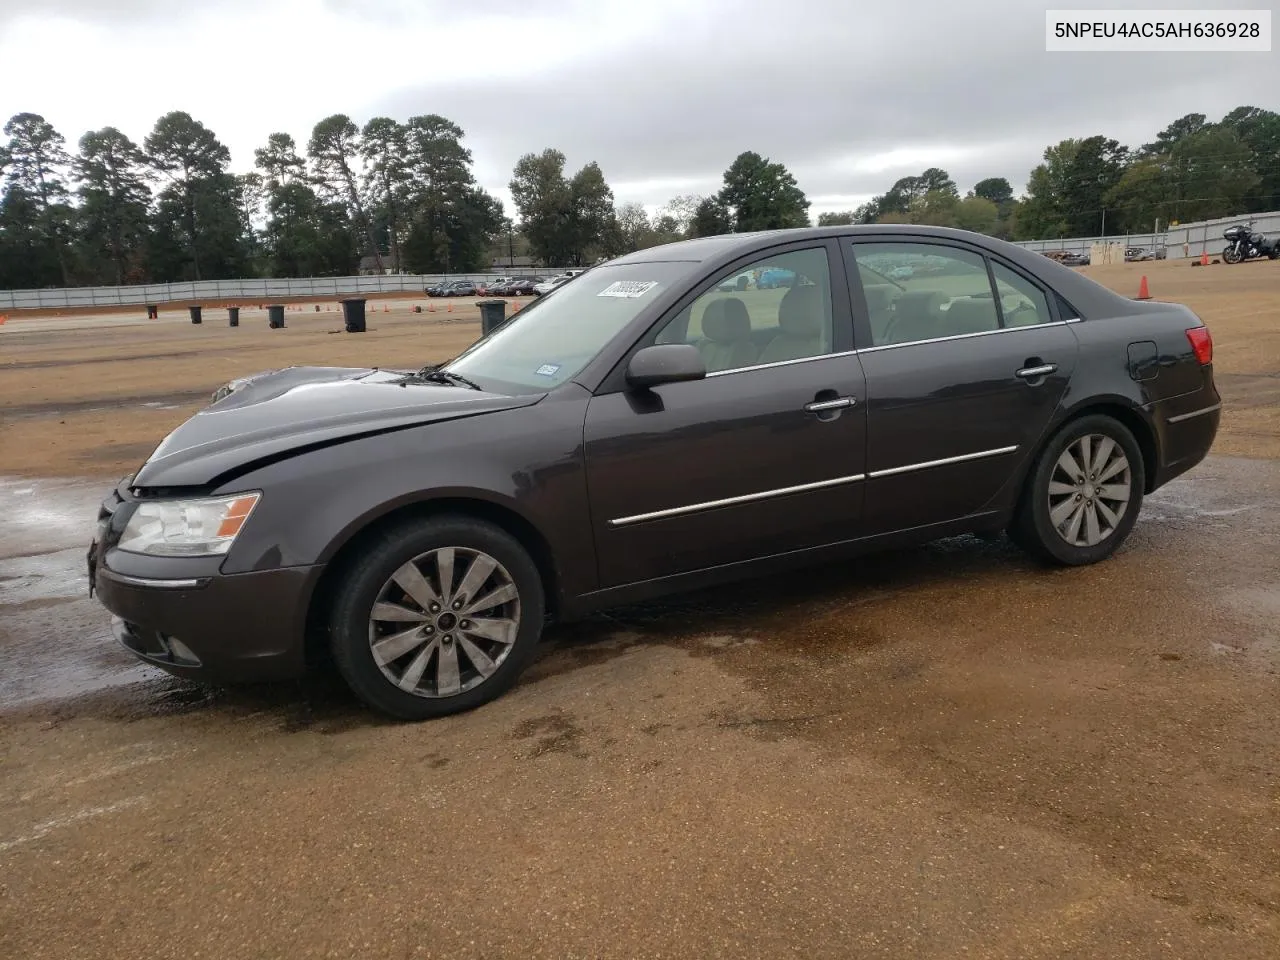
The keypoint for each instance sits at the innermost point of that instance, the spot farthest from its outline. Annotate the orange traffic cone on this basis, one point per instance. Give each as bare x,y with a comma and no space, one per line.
385,308
1143,292
1204,258
451,308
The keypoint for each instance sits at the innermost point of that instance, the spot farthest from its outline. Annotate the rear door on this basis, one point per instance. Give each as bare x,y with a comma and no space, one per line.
966,362
765,455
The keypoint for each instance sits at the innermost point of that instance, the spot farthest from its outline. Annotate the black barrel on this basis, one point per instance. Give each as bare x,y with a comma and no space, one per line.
493,314
233,316
275,317
196,315
353,315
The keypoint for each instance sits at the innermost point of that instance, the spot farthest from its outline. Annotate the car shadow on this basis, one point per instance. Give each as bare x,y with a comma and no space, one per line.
321,703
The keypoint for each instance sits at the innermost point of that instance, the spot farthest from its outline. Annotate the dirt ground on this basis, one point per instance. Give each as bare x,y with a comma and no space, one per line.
937,752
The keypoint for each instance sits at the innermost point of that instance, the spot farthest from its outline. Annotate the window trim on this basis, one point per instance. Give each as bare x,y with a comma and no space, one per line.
843,324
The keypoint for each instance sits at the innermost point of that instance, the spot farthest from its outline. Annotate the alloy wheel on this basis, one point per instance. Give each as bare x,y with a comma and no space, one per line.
1089,490
444,622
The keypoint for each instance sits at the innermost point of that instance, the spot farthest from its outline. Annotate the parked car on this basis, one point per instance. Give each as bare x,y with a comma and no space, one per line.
771,279
1069,259
522,287
741,282
642,433
462,288
542,289
442,288
1139,254
492,288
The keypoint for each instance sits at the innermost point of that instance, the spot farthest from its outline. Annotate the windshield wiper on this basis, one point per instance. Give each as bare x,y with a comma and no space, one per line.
436,375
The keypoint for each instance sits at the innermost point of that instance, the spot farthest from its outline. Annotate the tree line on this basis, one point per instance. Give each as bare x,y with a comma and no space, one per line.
399,196
1194,170
402,196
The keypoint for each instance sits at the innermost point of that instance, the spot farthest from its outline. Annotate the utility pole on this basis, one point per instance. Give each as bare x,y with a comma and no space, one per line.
1104,222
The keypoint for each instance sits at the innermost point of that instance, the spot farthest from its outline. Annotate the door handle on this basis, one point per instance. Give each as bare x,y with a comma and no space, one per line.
1033,373
818,406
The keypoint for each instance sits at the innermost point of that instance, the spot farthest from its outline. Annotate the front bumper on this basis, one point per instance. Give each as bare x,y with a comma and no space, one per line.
233,628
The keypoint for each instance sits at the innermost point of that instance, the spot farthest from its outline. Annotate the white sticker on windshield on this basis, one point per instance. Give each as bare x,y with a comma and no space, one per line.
628,289
547,370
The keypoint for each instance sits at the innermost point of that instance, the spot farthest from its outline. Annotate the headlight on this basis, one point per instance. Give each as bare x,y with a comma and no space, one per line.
187,528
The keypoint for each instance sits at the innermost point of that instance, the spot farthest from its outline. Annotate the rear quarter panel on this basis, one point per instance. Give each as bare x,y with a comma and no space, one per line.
1144,361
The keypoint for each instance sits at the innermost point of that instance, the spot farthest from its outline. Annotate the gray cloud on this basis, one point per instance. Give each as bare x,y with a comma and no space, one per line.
816,84
111,11
665,99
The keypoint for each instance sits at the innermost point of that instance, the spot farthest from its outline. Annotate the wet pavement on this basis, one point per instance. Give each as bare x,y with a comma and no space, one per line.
936,752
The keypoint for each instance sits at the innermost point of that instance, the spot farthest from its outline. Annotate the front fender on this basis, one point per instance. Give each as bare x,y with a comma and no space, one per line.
528,461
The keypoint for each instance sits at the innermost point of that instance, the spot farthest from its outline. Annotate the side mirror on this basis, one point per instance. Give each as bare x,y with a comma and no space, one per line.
665,363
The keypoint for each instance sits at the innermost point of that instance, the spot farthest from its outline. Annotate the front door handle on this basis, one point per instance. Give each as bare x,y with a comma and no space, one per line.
1034,373
839,403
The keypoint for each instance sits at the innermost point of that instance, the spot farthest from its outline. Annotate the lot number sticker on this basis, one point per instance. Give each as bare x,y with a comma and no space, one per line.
628,289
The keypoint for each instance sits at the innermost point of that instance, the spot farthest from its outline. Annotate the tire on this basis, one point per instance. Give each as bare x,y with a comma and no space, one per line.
1231,254
455,671
1047,495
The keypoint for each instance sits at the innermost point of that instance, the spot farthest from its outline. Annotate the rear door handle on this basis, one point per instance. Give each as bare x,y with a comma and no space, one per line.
839,403
1032,373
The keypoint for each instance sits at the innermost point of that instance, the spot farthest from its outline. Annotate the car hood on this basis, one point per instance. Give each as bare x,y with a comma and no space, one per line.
280,412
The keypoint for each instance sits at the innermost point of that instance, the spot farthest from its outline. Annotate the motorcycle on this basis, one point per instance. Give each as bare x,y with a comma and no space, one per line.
1243,243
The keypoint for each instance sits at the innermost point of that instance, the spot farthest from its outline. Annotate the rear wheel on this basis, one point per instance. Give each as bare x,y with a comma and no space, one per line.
439,616
1083,496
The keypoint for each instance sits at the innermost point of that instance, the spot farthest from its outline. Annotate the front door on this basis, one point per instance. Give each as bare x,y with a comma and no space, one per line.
965,364
762,457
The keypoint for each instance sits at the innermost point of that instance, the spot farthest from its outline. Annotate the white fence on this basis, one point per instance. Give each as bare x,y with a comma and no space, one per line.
216,291
1184,240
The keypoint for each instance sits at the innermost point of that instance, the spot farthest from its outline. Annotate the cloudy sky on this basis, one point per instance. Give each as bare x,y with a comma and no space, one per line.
662,93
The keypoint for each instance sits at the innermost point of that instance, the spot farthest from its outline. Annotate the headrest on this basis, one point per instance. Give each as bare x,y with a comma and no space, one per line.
971,315
879,296
800,313
919,301
726,320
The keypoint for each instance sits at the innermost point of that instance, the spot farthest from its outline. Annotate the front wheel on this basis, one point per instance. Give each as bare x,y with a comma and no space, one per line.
439,616
1083,496
1231,254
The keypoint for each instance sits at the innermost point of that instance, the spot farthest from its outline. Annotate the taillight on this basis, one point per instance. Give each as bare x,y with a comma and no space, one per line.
1202,343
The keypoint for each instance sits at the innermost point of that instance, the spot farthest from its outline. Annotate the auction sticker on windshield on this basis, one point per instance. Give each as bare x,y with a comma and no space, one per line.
547,370
628,289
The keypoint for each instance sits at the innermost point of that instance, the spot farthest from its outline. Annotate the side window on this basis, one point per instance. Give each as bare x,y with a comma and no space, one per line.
923,291
1021,302
777,308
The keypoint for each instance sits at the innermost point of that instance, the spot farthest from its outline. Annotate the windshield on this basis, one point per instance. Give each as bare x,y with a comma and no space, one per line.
551,340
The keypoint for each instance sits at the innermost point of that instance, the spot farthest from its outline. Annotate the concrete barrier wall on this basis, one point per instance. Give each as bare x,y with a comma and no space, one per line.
214,291
1184,240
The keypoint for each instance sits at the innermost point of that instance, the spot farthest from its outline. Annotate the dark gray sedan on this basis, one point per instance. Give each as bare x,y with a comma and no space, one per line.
642,430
